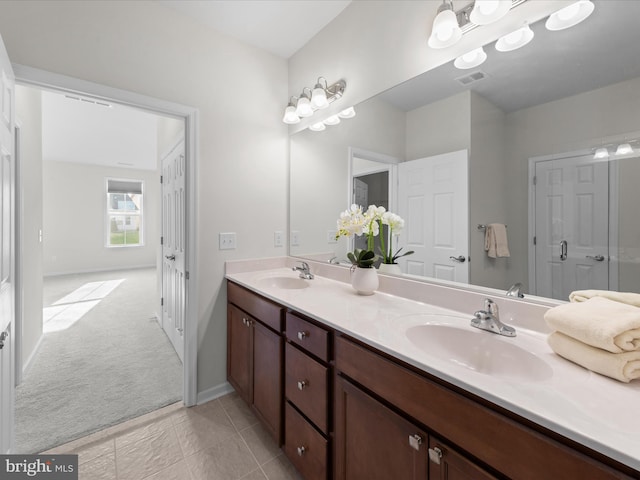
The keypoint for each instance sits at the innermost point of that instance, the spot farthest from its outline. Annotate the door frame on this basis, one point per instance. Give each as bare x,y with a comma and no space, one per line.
45,80
612,207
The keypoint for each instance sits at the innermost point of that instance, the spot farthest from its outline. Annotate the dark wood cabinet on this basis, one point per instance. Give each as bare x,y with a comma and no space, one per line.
373,442
255,356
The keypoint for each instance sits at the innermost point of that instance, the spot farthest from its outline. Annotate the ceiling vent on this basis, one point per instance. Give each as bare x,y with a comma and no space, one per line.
471,78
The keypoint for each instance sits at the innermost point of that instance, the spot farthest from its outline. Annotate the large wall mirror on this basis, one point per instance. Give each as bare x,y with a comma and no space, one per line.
528,124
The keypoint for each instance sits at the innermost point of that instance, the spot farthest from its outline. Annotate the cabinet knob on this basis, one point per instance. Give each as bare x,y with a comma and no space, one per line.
415,441
301,451
246,322
302,384
302,335
435,454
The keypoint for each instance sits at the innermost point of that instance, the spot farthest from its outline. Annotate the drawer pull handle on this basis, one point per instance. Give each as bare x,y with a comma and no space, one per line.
302,335
301,451
415,441
246,322
302,384
435,454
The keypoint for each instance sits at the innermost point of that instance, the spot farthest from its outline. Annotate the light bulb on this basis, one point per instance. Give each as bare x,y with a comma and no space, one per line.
332,120
515,40
601,153
303,109
570,15
471,59
319,97
317,127
624,149
488,11
446,30
347,113
290,116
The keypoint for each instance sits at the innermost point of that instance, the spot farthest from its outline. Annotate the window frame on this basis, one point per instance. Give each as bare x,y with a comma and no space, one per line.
109,213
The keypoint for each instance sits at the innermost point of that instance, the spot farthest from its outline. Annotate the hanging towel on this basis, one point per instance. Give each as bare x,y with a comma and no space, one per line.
621,366
599,322
623,297
495,240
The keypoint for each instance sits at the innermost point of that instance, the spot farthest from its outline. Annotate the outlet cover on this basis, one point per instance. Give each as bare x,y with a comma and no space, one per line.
331,236
278,238
227,241
295,238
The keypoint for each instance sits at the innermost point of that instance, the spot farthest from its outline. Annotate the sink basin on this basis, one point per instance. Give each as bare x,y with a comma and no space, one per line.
480,351
285,283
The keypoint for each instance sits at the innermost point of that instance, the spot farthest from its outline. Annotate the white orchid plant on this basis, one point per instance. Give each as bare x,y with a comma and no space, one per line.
355,221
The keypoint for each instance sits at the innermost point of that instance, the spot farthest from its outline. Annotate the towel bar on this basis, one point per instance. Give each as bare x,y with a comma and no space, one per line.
484,227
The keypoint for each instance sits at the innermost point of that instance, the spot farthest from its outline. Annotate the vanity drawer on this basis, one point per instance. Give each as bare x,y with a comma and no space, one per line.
304,446
262,309
308,336
306,383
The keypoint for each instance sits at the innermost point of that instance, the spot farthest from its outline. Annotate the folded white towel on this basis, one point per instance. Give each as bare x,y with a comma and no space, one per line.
599,322
621,366
623,297
495,240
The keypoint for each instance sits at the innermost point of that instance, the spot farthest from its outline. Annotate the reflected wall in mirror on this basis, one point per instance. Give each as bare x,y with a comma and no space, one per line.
564,95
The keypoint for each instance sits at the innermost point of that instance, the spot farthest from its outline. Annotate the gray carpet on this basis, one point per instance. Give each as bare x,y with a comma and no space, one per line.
113,364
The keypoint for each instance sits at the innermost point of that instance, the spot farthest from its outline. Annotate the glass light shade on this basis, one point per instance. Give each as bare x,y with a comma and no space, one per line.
488,11
570,15
332,120
446,31
347,113
471,59
317,127
515,40
290,116
624,149
601,153
303,109
319,98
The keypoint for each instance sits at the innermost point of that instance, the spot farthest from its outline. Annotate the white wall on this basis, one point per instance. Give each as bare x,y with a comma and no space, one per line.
29,116
240,92
75,227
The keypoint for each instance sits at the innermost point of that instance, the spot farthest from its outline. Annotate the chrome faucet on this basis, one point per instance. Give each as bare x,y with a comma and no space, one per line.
305,271
515,290
488,319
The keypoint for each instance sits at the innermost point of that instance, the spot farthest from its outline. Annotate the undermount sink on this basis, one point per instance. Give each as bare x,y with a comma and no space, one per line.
285,283
480,351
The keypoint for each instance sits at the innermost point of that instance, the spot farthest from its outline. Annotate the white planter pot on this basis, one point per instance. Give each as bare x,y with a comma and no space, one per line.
364,280
390,269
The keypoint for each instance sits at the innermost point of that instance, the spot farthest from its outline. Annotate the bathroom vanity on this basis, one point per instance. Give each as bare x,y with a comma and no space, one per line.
358,387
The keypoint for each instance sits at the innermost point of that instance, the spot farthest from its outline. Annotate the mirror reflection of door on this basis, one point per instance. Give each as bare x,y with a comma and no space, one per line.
371,189
572,226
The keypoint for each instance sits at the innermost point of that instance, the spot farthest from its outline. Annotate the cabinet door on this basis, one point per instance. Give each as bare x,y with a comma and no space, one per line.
447,464
373,442
267,378
239,352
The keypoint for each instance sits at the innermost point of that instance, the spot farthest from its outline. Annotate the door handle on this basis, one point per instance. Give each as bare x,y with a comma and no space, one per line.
597,258
563,250
459,258
170,257
3,337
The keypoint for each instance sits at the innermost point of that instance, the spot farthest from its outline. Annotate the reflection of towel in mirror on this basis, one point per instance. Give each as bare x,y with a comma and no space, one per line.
598,322
621,366
623,297
495,240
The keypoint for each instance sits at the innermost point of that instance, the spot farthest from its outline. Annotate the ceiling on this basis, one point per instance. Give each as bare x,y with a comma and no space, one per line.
281,27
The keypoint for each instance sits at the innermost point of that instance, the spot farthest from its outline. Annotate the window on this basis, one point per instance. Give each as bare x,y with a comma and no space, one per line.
124,213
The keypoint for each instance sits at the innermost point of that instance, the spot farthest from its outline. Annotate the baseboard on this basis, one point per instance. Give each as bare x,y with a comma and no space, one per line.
27,364
98,270
214,392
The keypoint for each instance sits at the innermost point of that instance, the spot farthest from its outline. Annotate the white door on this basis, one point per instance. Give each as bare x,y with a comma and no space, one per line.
571,226
7,252
173,246
433,201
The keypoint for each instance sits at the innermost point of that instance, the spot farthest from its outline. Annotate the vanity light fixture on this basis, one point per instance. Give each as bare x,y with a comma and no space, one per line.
601,153
471,59
570,15
515,40
347,113
308,103
445,31
488,11
317,127
624,149
332,120
290,116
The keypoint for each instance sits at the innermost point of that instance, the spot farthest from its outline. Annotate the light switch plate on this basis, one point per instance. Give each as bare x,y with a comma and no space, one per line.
295,238
278,238
331,236
227,241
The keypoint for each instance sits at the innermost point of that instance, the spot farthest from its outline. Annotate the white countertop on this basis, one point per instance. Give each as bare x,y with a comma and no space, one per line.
596,411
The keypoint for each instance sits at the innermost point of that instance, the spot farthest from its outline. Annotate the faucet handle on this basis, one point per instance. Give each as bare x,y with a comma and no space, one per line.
491,307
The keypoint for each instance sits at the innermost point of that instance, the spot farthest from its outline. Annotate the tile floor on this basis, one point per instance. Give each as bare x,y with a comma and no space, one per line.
220,440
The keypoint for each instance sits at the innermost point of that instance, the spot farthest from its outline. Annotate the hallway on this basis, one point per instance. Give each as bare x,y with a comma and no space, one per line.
104,360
